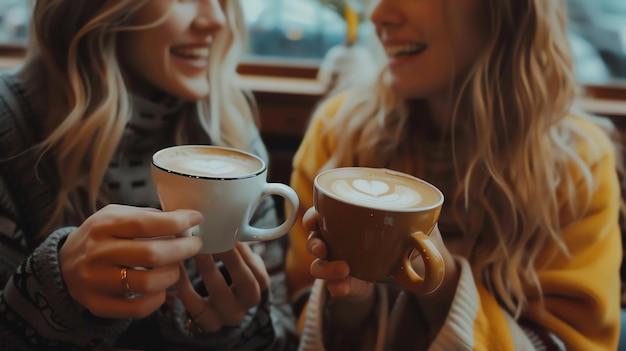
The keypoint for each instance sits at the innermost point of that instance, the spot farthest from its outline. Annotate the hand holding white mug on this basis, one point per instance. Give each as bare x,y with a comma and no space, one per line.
96,259
226,185
225,305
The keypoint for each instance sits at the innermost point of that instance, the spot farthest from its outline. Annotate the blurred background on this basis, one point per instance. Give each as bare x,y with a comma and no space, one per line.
303,31
300,51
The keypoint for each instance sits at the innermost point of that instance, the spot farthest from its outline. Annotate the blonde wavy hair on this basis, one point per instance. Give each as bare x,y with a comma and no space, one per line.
73,63
509,150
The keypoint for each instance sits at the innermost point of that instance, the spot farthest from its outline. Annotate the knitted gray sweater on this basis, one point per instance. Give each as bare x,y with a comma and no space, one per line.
36,310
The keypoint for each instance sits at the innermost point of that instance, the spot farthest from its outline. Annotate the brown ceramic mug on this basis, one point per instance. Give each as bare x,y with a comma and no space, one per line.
374,219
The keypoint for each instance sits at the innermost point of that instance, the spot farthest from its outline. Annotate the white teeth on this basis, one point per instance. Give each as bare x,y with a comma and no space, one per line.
406,49
199,53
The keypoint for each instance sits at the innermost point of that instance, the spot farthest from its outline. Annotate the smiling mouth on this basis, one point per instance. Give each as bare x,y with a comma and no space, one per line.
405,50
201,53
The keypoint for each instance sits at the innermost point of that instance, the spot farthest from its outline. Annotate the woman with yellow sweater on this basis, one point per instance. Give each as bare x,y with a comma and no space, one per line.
475,97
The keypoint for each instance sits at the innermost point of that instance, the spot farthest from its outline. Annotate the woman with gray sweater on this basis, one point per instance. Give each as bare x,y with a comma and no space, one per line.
106,84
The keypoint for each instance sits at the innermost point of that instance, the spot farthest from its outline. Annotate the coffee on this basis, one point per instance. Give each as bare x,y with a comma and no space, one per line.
225,185
374,219
378,188
204,162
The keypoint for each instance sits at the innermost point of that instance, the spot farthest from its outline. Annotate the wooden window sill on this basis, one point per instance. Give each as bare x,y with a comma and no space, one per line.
293,80
603,107
9,62
282,85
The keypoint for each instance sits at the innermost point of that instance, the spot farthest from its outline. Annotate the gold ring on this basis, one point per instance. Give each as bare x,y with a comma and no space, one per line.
127,291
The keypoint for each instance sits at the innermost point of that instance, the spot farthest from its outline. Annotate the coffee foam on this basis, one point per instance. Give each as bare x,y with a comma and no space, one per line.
208,162
378,188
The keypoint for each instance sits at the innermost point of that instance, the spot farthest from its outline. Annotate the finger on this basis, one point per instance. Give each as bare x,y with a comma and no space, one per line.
330,270
310,219
316,246
198,308
148,253
152,280
220,295
133,222
256,264
144,282
207,319
120,308
350,287
338,288
244,284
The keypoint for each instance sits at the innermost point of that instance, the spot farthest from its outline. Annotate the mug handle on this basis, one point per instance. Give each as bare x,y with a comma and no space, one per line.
433,264
250,233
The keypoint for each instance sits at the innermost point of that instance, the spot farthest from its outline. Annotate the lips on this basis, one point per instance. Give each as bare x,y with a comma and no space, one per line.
404,50
191,52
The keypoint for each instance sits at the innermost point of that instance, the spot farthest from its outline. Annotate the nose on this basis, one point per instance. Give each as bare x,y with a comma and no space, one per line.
210,16
386,14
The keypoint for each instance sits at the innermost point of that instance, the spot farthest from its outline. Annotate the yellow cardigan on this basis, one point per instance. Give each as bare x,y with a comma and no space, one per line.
581,292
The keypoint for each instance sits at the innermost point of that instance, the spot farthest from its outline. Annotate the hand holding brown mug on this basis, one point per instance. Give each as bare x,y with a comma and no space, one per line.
374,219
355,297
380,226
337,273
339,282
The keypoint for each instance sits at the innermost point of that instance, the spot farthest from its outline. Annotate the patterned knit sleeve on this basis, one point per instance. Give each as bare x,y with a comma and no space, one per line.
11,237
36,310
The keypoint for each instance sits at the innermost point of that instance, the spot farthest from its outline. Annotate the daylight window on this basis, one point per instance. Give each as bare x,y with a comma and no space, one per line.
301,30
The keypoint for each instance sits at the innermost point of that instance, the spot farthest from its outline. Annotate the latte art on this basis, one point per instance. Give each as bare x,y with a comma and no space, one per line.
215,167
376,193
208,162
374,219
371,187
378,188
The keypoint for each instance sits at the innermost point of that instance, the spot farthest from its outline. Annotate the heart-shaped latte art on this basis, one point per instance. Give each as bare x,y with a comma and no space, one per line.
218,167
213,167
370,187
375,193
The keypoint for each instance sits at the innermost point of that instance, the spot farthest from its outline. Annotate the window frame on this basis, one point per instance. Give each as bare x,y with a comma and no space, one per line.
301,74
12,50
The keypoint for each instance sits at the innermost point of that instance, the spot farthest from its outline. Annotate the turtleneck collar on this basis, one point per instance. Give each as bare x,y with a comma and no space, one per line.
152,121
151,114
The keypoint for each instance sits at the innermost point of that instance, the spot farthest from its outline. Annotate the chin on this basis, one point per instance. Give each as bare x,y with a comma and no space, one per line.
191,92
409,91
193,96
416,90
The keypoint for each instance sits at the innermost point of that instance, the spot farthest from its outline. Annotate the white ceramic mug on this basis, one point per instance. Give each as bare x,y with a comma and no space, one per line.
225,195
